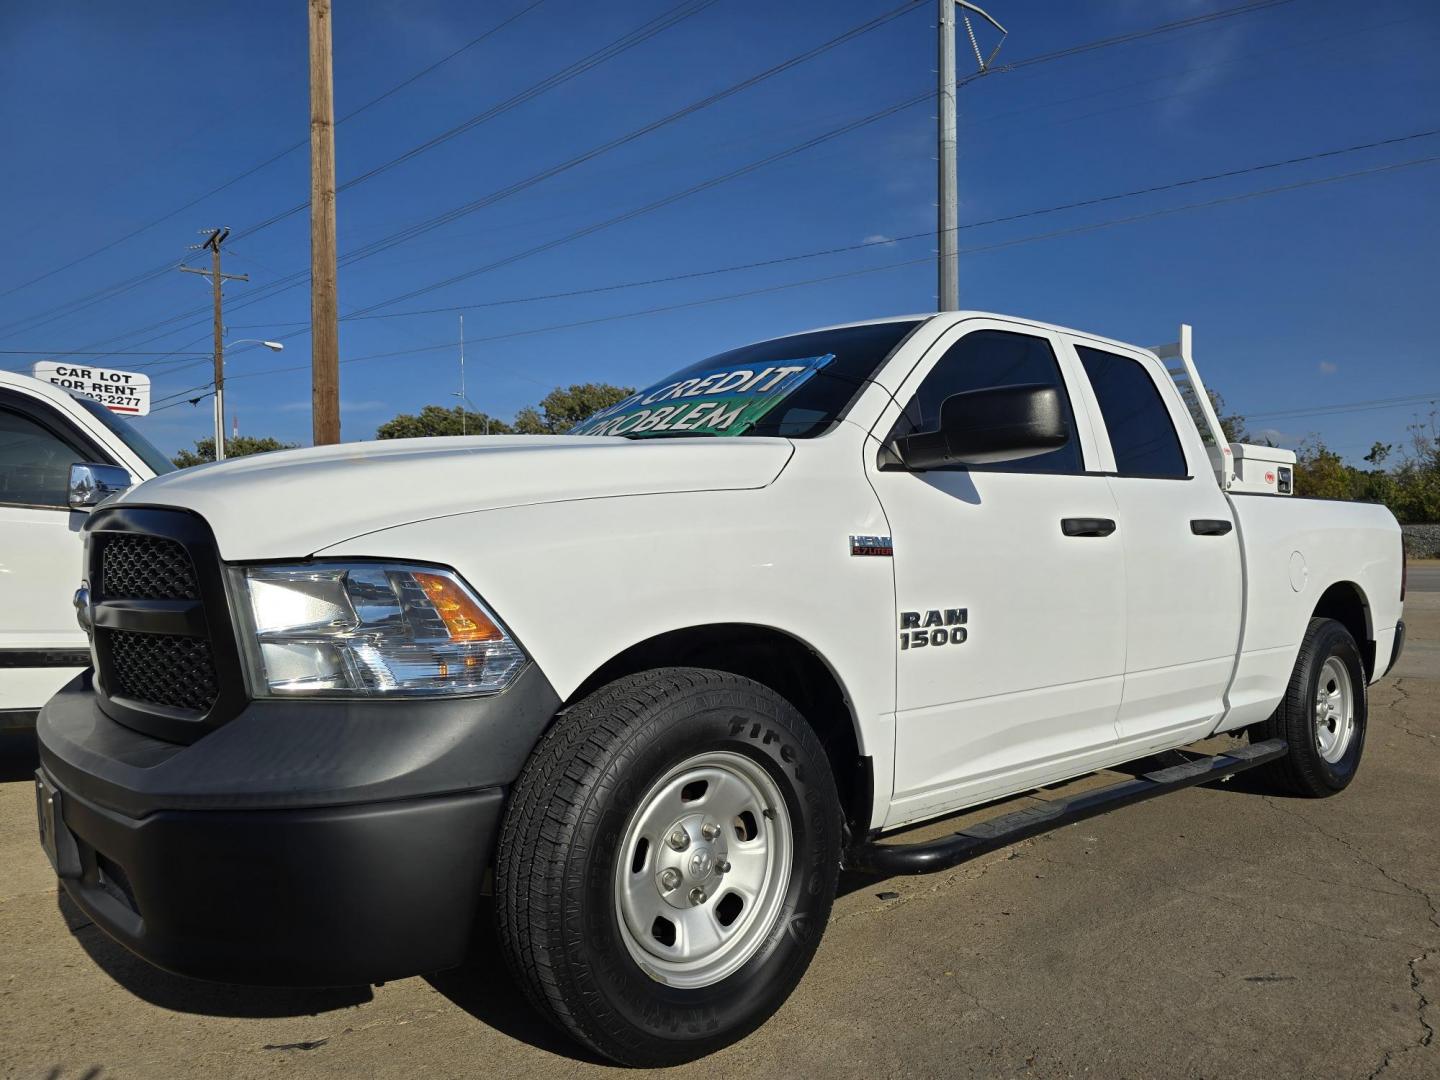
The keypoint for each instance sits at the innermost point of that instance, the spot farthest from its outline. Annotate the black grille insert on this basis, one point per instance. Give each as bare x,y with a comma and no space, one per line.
164,668
140,567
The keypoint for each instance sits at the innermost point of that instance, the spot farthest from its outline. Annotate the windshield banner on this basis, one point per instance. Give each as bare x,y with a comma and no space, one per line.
722,401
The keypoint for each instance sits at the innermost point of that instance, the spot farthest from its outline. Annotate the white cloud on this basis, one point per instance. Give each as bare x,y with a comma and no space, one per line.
1276,436
1328,367
880,239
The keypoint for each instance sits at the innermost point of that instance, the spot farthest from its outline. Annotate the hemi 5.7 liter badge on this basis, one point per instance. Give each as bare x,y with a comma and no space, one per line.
872,545
938,626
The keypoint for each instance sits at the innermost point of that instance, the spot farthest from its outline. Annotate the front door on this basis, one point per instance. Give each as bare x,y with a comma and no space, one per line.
41,647
1010,626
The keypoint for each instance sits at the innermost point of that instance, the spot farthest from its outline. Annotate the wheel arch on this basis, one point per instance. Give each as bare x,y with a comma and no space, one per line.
779,660
1346,603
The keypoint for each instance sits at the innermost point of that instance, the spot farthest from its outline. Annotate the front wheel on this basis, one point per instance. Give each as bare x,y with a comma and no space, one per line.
1322,716
667,864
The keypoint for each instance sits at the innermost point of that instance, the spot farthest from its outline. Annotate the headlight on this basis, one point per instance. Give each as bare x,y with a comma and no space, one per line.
344,629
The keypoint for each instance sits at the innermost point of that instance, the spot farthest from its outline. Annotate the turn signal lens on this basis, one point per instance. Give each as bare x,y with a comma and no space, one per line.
462,617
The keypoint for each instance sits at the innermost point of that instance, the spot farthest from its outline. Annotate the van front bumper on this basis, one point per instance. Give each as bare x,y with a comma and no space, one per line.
301,844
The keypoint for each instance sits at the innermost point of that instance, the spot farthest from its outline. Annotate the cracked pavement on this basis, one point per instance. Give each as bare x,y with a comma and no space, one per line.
1216,932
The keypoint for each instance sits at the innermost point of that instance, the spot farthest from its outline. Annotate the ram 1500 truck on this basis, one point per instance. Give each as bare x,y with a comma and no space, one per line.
655,682
60,453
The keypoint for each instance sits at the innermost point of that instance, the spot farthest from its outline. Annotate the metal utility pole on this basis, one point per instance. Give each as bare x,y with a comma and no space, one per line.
949,201
324,312
464,418
212,244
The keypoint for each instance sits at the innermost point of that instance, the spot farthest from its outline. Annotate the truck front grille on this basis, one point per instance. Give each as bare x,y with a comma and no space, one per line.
164,668
142,567
167,662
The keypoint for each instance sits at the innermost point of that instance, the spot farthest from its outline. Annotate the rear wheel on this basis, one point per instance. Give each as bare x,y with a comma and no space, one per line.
667,864
1323,715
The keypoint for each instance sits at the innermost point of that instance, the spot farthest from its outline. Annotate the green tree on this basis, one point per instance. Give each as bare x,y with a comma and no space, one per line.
436,420
1416,495
566,406
1321,473
1232,424
236,446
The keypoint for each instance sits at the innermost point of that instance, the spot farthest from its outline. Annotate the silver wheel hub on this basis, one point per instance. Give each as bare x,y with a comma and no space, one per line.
1334,710
703,869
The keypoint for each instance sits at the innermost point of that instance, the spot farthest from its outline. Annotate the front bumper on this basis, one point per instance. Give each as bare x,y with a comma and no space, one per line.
300,844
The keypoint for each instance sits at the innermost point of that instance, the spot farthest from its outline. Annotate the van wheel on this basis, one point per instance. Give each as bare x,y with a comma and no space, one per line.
667,864
1322,716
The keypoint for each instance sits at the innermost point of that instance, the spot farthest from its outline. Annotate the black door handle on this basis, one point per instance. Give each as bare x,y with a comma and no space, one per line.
1210,527
1087,526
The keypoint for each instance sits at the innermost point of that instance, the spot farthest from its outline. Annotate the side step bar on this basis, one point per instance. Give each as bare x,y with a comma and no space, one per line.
987,836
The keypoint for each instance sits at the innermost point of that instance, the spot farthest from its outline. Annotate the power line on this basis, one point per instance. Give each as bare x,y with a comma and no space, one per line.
1020,215
998,246
78,352
624,43
1347,407
386,242
890,240
273,158
780,155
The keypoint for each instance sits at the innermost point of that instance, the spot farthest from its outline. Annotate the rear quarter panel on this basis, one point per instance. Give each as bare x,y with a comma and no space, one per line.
1294,550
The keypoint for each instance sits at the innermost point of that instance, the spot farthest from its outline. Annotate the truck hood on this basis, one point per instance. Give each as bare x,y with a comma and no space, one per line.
292,503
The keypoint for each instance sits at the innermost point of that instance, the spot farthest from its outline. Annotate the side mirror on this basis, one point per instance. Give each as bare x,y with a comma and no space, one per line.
92,483
981,427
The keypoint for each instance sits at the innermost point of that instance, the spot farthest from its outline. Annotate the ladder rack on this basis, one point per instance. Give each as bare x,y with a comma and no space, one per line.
1179,360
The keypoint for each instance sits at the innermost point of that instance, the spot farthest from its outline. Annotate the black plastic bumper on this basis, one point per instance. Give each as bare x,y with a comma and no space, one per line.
302,844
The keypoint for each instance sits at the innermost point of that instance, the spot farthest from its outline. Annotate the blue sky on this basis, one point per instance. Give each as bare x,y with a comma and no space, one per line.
115,115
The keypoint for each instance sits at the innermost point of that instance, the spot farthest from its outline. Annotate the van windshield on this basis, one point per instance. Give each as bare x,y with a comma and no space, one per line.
797,387
142,447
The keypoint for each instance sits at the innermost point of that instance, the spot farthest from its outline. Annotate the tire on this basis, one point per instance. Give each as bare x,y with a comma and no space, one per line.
1326,736
588,852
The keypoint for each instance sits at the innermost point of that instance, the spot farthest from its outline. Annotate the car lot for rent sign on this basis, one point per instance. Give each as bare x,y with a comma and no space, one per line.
119,391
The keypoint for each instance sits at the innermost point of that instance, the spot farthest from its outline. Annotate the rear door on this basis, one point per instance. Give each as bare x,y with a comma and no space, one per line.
41,647
1010,633
1183,596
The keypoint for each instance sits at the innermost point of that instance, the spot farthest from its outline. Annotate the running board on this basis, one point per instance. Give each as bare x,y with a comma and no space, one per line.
987,836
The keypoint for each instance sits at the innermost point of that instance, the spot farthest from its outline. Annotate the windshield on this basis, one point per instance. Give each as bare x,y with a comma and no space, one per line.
797,387
142,447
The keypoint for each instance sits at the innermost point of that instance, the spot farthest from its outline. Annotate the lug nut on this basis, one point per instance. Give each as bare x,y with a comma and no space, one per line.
722,867
697,896
710,830
679,840
669,878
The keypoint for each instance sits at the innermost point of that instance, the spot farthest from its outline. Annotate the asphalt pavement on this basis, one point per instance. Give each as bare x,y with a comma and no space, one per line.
1217,932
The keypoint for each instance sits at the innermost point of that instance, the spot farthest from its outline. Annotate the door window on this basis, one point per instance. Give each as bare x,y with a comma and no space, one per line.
982,360
34,463
1141,432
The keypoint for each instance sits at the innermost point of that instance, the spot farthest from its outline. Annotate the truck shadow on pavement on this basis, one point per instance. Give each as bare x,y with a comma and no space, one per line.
181,994
19,757
483,987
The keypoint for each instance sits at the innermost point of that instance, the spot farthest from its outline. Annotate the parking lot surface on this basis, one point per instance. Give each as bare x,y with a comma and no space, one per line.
1217,932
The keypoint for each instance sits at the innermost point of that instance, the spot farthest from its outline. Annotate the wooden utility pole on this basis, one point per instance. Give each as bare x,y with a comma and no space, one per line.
324,309
212,245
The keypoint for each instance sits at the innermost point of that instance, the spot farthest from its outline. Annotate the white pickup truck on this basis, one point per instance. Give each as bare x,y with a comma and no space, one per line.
45,433
654,687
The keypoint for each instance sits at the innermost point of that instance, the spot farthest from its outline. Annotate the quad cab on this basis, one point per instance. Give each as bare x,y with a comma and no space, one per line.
655,682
